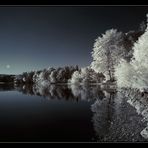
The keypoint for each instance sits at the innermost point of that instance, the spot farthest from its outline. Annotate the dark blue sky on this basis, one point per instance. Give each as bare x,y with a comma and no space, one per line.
33,38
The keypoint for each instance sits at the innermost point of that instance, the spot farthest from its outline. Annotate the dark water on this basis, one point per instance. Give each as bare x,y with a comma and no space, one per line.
70,113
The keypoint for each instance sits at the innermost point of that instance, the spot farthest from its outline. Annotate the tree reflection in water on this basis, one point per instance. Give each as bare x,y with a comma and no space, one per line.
114,118
140,102
67,92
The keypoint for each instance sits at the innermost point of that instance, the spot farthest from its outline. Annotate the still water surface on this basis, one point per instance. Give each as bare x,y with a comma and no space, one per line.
69,113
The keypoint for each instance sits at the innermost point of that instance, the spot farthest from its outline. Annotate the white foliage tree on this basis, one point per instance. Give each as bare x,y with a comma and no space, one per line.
140,61
53,77
135,73
107,52
124,73
85,76
76,78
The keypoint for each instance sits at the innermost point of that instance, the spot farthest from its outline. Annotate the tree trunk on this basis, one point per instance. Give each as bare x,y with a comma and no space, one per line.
110,75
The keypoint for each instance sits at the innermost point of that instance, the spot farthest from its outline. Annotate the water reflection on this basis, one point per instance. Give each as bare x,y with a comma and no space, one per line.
113,117
6,87
67,92
140,102
115,120
118,115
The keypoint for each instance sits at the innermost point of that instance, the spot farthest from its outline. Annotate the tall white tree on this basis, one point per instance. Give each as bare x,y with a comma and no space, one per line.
124,74
140,60
106,53
135,73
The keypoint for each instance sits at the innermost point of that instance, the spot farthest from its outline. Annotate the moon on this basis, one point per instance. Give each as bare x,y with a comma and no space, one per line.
7,66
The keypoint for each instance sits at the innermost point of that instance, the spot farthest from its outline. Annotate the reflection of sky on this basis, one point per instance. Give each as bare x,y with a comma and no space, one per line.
30,117
16,99
39,37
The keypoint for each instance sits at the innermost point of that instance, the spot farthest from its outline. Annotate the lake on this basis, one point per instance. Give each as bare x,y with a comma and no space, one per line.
71,114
